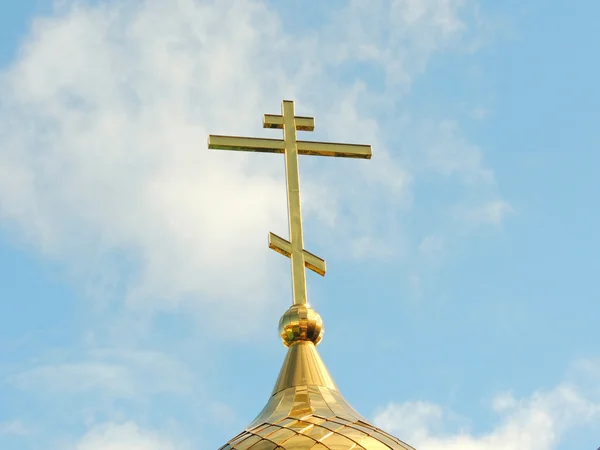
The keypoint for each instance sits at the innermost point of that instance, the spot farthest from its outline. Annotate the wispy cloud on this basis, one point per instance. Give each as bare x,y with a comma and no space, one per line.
112,373
103,159
490,213
538,422
451,154
13,427
126,436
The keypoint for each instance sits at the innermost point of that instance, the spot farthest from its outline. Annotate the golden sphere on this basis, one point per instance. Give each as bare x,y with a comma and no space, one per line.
301,323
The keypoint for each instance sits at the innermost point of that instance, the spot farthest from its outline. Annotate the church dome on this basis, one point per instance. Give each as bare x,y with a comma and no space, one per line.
306,411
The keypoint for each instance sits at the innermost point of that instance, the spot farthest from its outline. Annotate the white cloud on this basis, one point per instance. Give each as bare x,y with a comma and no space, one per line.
489,213
13,427
451,154
432,247
400,36
126,436
106,146
224,415
116,373
479,113
537,422
447,152
103,124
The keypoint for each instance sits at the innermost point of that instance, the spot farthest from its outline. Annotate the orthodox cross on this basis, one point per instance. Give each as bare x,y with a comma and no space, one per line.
291,148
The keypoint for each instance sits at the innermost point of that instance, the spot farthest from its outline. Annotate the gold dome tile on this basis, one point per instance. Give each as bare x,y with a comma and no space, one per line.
307,412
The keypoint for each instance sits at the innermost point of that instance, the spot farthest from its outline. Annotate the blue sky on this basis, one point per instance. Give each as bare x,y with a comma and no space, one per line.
139,300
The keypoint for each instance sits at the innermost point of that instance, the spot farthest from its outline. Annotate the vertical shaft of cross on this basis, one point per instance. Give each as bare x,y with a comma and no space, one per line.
293,197
291,148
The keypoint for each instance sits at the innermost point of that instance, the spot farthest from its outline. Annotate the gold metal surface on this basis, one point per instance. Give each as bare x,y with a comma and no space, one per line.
276,121
291,148
301,323
312,262
305,411
263,145
303,367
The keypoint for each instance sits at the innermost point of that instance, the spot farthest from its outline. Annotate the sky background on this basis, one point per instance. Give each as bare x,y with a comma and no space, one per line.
138,298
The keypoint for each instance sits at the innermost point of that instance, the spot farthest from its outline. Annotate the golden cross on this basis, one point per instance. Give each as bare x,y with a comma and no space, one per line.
291,148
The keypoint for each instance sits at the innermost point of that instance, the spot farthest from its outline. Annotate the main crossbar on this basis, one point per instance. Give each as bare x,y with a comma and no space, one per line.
249,144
